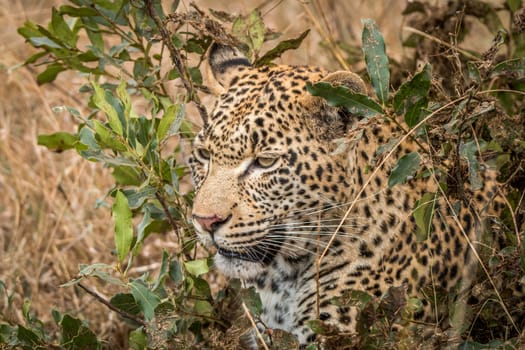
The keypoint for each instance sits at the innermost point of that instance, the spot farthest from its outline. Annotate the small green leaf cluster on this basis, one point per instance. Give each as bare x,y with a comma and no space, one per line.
118,46
59,47
75,334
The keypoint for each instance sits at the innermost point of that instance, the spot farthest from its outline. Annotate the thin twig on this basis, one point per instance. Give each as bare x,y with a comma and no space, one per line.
441,42
252,321
172,222
334,49
376,170
476,254
177,60
122,313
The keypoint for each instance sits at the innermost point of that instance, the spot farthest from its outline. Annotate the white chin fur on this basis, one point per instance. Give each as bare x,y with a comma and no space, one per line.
236,268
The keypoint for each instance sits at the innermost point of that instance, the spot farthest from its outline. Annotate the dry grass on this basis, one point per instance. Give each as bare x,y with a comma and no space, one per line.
48,220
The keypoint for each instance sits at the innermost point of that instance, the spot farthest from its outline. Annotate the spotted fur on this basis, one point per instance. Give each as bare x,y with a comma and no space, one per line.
272,187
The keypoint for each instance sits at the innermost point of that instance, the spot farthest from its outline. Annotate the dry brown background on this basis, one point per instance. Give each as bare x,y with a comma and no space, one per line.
48,220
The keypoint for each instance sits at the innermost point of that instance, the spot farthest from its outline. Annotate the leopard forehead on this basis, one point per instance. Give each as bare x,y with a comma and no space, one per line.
260,111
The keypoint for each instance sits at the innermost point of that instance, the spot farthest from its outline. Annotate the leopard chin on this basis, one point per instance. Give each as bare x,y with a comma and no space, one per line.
238,268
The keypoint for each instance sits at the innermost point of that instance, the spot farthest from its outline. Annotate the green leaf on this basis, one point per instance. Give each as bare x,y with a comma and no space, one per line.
469,150
196,75
58,141
28,337
60,29
137,197
99,99
256,29
140,69
125,99
33,58
125,302
357,104
50,73
473,72
76,335
29,30
126,176
170,122
406,167
99,270
411,98
514,5
282,47
123,225
238,29
146,299
8,334
514,68
252,300
203,307
106,138
163,272
93,33
44,41
416,112
197,267
138,340
175,271
195,46
423,214
201,287
77,11
376,59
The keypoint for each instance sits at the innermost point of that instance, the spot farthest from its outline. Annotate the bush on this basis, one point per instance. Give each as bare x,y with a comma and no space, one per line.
477,112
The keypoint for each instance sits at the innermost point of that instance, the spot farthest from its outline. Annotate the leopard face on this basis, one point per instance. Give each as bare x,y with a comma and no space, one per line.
260,166
273,194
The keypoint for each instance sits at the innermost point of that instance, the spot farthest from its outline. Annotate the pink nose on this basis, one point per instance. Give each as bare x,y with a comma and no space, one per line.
209,223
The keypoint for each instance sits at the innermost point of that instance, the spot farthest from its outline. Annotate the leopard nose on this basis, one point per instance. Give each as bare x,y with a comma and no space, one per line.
210,223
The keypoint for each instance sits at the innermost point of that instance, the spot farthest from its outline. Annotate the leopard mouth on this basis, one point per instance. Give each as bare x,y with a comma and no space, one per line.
256,254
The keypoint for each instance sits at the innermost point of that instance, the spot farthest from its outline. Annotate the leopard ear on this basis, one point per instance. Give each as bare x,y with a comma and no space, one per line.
347,79
333,121
224,62
339,78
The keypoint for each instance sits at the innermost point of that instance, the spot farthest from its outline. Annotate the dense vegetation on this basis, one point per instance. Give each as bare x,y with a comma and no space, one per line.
464,106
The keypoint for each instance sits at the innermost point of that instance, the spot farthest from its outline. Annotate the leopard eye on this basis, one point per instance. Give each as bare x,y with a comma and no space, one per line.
265,162
203,154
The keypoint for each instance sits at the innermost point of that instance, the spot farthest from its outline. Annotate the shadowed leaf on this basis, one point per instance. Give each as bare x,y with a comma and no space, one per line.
58,141
76,335
376,59
341,96
145,298
423,214
197,267
123,225
282,47
406,166
411,98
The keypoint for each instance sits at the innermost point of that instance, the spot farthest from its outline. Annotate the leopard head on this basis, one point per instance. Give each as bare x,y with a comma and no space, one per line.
263,165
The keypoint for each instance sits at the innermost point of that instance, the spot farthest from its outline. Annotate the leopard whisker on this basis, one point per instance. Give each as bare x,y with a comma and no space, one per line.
312,241
288,247
321,227
289,234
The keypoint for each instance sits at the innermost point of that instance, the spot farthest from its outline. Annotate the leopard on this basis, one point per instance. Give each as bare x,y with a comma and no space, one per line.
294,195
